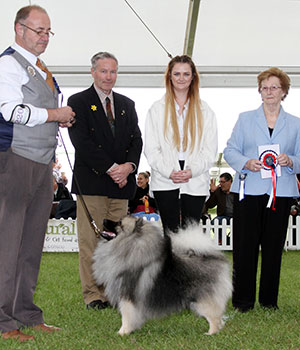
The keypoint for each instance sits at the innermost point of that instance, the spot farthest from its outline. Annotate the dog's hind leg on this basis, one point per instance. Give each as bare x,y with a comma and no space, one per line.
212,312
132,317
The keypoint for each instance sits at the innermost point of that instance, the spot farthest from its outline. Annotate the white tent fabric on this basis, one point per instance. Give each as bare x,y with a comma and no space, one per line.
231,33
234,40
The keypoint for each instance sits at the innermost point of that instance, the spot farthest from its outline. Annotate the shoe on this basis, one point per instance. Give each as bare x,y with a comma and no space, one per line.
243,310
45,328
18,335
270,307
97,305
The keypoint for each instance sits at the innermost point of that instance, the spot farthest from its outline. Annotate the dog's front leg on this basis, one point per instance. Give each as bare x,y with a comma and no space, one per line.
132,318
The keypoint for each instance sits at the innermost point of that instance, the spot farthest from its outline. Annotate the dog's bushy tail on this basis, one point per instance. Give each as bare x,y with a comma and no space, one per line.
192,239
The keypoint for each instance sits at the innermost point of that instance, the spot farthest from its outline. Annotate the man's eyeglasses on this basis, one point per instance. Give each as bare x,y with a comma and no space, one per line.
271,88
39,32
223,181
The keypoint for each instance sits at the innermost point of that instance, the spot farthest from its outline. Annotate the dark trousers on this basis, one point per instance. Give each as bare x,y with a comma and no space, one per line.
177,212
256,226
26,194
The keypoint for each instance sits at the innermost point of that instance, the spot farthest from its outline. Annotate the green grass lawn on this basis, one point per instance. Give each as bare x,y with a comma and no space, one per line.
59,295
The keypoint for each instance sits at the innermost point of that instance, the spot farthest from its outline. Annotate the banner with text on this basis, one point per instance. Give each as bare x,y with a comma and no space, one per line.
61,236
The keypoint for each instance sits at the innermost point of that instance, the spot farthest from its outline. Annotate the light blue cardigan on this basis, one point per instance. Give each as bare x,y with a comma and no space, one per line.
250,131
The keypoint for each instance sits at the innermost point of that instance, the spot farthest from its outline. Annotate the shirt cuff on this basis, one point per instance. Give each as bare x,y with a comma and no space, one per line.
112,167
133,166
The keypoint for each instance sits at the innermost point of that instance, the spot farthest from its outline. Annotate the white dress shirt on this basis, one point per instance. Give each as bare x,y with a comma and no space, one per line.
12,77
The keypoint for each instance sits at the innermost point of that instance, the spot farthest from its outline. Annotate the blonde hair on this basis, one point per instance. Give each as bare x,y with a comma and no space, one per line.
194,120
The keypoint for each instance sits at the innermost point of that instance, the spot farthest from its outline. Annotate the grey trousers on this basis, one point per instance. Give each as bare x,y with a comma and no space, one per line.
26,196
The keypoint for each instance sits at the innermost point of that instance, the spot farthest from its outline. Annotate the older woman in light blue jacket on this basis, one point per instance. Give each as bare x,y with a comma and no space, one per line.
264,149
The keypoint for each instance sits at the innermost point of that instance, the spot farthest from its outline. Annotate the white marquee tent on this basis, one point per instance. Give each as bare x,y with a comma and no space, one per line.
233,38
230,42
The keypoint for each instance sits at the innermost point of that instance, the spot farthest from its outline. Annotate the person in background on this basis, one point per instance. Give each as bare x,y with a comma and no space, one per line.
137,204
58,173
60,191
108,145
262,209
181,144
29,121
63,206
221,197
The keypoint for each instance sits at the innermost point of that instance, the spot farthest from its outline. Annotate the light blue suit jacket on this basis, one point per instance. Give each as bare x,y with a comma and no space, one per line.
250,131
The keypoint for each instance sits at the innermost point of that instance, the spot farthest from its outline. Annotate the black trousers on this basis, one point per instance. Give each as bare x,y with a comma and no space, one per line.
176,212
256,226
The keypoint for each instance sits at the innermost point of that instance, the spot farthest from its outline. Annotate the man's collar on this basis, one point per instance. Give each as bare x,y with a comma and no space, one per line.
28,55
103,95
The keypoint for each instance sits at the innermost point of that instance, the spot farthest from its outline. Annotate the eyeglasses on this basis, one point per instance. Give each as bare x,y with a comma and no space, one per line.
39,32
271,88
223,181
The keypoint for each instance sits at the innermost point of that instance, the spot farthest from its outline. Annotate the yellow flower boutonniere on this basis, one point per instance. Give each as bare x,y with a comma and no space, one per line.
93,108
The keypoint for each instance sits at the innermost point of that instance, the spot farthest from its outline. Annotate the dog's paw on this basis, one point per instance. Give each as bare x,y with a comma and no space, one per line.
122,331
214,329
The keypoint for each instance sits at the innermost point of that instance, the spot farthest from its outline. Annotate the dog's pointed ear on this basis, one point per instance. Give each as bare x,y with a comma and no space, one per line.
139,224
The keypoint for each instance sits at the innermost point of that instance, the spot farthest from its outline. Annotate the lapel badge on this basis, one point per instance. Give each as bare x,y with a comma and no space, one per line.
93,108
31,71
123,113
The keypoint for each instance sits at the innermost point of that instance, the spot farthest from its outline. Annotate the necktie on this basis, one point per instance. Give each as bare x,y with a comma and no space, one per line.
49,79
109,115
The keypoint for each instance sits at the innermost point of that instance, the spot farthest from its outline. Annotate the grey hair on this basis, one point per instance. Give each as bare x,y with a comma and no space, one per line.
101,56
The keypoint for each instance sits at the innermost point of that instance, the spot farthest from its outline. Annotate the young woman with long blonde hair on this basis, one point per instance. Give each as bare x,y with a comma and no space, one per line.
181,144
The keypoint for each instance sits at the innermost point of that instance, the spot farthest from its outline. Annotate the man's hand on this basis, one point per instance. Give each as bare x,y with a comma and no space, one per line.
64,116
213,185
120,173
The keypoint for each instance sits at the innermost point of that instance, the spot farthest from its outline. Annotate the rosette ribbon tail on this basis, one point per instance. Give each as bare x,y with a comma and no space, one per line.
273,190
242,178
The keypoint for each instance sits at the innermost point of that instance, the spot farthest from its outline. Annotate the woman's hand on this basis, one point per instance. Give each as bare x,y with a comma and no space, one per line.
143,199
181,176
254,165
285,160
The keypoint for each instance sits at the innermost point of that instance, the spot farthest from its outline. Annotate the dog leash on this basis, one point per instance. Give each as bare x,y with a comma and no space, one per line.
104,234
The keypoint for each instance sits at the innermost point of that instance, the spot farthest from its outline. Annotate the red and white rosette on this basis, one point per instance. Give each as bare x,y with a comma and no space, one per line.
269,160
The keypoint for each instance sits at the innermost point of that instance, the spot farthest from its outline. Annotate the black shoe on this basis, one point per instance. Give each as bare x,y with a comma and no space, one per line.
97,305
269,307
243,309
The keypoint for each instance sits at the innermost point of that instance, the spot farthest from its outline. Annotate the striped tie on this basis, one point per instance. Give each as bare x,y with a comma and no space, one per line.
49,79
110,116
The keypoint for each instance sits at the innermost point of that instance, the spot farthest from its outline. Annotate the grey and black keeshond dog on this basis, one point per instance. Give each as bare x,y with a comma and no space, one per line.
148,275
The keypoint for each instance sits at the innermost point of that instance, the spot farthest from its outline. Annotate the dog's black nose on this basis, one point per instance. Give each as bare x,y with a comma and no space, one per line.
110,226
109,229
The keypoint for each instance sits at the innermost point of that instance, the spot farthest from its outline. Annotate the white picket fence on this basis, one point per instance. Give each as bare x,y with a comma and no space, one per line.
222,234
61,235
